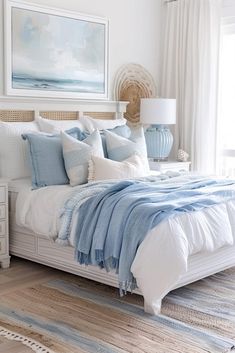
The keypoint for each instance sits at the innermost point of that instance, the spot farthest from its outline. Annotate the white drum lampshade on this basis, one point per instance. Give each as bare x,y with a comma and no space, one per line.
158,112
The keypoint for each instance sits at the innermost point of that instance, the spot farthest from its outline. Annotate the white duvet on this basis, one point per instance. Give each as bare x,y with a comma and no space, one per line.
163,255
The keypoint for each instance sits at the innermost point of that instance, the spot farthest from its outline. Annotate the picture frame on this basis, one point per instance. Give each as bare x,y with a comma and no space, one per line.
54,53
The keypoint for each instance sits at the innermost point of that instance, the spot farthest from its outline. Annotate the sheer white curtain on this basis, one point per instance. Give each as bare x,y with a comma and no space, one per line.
190,74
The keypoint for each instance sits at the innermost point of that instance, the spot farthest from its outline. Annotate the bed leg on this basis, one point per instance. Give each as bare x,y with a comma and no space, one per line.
5,263
153,309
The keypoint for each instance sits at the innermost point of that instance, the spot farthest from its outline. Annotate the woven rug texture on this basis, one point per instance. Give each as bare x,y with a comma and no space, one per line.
68,314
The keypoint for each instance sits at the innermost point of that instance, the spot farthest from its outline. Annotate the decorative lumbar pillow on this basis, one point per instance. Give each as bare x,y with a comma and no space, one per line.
77,155
13,150
55,126
90,124
103,168
120,148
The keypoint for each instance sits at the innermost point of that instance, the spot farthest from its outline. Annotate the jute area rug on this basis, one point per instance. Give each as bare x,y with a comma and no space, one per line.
68,314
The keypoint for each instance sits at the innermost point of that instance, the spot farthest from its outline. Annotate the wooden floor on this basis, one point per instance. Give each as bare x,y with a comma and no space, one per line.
21,274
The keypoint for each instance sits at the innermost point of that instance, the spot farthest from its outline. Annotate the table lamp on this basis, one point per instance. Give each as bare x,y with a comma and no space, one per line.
158,113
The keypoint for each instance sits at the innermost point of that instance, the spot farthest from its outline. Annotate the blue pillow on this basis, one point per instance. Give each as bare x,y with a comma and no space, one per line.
122,130
120,148
46,158
77,133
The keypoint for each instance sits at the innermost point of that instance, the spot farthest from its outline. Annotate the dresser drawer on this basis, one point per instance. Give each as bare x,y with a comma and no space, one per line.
2,211
3,247
2,228
2,194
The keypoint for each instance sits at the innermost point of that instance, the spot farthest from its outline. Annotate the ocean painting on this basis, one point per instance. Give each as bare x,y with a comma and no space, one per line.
58,54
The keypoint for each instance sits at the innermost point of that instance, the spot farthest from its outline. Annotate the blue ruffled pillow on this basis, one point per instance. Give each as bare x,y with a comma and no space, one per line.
46,158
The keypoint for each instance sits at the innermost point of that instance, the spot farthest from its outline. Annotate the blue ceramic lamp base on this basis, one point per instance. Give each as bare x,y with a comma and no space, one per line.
159,141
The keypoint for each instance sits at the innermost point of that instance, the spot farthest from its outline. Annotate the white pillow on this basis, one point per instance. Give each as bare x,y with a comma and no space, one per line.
77,155
90,124
14,162
53,126
103,168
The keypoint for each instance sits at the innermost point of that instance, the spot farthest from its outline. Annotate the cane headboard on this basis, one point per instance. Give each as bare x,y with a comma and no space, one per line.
16,110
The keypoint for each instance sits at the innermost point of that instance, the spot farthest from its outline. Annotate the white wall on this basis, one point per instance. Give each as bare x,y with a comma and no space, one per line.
134,28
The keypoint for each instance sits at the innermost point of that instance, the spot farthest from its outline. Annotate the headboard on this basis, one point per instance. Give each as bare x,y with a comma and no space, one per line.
21,109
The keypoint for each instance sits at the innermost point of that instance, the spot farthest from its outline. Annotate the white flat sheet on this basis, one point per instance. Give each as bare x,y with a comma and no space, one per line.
162,257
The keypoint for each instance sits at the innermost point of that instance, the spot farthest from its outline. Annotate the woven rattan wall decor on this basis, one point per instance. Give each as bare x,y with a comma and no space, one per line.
133,82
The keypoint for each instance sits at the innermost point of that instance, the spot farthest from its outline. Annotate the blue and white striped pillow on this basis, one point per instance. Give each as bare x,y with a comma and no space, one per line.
77,155
120,148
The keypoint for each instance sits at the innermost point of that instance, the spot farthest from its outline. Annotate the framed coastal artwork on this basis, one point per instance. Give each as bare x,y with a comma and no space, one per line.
51,52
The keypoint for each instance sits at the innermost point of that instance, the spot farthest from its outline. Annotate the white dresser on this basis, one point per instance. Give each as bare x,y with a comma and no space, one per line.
4,233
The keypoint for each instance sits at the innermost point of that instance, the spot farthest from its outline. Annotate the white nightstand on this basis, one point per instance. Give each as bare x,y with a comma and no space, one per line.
169,166
4,233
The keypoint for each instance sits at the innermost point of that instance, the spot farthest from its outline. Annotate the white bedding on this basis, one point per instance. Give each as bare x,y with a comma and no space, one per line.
165,249
38,210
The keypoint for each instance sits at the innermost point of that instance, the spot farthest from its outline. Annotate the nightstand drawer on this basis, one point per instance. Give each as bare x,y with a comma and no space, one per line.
2,228
2,211
168,166
2,194
3,246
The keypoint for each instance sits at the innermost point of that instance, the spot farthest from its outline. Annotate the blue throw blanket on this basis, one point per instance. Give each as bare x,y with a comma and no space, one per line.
113,223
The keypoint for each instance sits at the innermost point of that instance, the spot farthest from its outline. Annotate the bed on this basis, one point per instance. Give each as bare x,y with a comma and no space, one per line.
36,245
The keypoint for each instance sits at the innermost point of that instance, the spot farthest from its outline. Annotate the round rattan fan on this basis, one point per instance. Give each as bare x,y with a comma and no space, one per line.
133,82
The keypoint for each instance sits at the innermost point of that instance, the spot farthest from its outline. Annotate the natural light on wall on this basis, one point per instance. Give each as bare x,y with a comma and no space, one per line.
226,123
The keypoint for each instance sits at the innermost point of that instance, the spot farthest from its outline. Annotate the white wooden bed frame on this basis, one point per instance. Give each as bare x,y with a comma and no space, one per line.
44,251
25,244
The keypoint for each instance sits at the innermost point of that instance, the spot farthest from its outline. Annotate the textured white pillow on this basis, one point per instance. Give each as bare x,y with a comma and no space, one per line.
103,168
90,124
53,126
14,161
77,155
